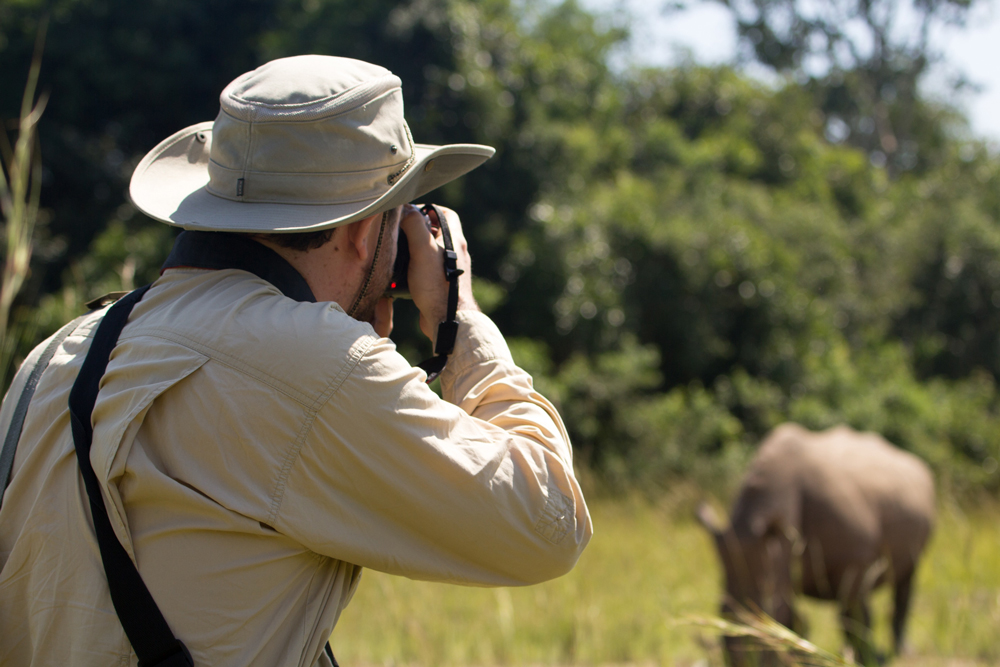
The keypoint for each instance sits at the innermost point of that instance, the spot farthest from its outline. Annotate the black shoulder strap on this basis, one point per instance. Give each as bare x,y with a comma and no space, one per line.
151,638
147,631
144,625
24,400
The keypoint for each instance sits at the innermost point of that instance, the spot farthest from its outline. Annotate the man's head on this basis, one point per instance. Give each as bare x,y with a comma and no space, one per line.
300,144
314,147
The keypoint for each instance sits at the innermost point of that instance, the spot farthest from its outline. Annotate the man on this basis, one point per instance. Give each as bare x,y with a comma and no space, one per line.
257,440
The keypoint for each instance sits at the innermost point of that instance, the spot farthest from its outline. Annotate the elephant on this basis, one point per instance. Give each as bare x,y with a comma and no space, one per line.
831,515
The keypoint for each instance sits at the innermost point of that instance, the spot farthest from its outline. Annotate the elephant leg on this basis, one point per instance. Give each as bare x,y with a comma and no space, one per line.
901,606
856,621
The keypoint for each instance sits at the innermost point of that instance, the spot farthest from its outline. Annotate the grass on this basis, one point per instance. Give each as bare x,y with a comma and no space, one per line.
633,599
20,183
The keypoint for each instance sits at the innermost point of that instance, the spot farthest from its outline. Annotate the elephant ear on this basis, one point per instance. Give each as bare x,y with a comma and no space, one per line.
709,518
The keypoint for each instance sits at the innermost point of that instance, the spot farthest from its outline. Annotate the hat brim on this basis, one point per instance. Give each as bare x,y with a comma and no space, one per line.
170,185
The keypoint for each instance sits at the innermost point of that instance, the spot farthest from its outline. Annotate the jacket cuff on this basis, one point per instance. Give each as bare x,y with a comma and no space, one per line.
478,341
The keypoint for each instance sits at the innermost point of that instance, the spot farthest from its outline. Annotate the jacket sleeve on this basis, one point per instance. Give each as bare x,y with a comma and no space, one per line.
476,488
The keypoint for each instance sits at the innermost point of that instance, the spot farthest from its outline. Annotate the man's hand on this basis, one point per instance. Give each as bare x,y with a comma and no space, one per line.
426,279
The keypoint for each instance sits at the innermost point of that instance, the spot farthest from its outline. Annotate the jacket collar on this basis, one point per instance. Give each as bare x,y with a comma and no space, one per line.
221,250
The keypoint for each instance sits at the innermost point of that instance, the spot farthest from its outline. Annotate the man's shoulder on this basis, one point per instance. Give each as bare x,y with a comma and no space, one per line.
238,319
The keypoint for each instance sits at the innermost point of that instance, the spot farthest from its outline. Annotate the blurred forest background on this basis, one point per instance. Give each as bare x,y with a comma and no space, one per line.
683,257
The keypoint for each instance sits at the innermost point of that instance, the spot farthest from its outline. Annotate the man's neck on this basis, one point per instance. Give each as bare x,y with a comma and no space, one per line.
327,270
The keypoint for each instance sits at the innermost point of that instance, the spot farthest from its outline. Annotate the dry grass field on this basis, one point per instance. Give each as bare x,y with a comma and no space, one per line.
648,572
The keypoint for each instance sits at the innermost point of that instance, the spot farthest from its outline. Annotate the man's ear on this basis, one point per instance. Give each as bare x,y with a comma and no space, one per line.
357,236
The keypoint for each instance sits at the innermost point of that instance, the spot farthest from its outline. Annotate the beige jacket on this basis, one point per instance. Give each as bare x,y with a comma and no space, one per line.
255,453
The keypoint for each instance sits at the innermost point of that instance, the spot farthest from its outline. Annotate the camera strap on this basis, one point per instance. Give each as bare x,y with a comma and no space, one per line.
147,630
448,330
144,625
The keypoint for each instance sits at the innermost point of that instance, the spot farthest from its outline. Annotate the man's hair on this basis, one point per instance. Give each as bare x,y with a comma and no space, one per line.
304,241
301,241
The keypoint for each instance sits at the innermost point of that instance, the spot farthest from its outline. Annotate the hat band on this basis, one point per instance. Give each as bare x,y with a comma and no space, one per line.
409,163
261,187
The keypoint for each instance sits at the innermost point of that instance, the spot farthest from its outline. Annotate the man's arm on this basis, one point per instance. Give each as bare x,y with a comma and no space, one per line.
478,488
394,478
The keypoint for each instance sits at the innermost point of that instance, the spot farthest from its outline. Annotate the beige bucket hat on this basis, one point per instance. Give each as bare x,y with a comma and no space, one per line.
300,144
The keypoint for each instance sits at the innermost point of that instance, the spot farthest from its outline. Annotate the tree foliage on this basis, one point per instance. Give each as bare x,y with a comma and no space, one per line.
683,257
863,60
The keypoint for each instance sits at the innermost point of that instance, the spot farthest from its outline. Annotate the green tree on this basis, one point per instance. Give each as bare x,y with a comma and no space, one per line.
682,257
863,59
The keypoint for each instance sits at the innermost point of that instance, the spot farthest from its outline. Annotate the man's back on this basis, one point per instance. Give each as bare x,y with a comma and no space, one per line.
255,453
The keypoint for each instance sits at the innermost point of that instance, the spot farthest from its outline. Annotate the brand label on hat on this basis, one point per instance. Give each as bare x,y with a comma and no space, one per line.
239,187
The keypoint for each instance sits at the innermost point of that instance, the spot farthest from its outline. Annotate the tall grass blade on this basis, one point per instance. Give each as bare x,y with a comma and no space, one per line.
20,191
791,648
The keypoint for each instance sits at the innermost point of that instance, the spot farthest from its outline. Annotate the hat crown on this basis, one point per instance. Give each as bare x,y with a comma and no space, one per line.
307,130
305,87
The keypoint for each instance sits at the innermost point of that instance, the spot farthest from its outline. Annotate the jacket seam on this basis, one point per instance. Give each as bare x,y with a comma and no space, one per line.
333,386
475,358
227,360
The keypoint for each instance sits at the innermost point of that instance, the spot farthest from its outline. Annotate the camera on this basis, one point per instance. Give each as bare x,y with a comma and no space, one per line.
398,286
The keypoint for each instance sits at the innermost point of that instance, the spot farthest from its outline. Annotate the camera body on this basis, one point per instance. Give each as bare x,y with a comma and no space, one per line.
398,286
